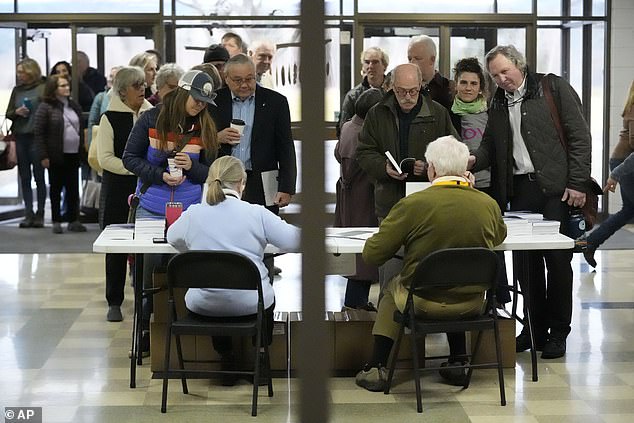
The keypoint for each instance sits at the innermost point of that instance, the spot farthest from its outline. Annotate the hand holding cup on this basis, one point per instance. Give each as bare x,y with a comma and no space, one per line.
238,125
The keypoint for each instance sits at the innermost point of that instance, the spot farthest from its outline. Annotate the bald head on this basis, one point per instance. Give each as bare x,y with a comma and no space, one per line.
407,73
407,85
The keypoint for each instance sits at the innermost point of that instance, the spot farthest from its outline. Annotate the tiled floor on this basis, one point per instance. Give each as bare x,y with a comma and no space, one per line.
58,352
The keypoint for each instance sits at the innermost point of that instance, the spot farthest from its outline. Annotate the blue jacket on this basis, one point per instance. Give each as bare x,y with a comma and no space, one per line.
149,164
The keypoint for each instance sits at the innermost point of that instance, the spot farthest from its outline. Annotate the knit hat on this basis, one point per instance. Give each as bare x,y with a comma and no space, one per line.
199,85
216,52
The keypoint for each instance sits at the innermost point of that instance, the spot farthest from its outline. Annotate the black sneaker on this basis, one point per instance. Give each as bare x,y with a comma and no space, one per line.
523,342
228,363
114,314
27,222
38,220
554,348
455,377
76,226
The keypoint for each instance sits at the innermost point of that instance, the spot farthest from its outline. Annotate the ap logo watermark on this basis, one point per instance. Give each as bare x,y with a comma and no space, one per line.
23,414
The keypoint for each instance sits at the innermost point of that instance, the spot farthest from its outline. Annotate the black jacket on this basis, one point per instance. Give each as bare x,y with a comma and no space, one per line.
49,131
272,144
555,169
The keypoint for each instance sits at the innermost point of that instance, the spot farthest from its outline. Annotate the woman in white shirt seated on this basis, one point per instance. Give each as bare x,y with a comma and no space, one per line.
225,222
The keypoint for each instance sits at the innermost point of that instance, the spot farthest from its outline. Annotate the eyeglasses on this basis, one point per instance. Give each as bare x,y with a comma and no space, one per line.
239,81
139,85
402,92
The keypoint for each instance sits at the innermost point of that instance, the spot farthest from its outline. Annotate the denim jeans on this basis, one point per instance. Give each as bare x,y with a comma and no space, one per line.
620,218
25,149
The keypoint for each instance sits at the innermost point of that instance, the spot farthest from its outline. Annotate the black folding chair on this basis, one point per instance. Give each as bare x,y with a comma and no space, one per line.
220,270
446,269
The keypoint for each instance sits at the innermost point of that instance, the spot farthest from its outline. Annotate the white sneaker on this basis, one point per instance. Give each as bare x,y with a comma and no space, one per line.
373,380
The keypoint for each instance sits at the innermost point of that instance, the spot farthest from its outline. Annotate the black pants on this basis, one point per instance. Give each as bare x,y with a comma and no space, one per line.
65,175
116,268
550,300
223,344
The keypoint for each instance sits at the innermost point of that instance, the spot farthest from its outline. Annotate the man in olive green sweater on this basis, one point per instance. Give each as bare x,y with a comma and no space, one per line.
449,214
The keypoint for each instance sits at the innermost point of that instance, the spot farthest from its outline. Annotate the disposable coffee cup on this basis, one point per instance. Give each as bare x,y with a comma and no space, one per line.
238,124
171,165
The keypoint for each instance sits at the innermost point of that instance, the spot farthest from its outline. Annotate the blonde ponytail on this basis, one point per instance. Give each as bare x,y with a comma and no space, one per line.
225,172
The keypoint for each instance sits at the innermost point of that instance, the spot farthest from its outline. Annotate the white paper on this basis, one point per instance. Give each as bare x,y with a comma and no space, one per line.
412,187
270,186
393,161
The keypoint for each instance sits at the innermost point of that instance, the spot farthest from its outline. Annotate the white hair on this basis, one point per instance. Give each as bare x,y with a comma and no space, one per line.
126,77
448,156
167,71
262,43
385,59
427,41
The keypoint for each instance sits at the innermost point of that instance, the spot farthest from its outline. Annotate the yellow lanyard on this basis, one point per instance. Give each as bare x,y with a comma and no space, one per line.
458,183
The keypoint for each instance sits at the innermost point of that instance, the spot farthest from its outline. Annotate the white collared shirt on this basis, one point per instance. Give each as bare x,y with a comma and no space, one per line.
523,163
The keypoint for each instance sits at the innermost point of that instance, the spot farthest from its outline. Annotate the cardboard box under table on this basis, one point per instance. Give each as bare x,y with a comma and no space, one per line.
295,326
486,353
354,341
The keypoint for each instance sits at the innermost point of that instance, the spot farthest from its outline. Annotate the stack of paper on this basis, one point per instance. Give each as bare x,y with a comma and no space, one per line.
523,215
527,223
545,227
517,226
119,232
146,229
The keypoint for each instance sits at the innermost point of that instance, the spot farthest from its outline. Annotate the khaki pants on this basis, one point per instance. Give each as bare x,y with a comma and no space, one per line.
395,297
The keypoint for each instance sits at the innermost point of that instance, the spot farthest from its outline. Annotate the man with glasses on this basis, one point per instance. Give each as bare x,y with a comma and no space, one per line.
403,123
254,125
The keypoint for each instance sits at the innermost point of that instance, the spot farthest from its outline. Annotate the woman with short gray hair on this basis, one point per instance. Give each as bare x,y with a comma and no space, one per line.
126,105
166,81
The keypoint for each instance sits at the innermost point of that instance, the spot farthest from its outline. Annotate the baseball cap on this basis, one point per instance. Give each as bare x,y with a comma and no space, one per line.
199,85
216,52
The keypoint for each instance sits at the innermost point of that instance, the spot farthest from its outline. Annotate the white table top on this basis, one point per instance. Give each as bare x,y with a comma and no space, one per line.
119,239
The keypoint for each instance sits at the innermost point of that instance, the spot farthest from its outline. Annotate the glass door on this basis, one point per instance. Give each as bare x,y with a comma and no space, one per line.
453,42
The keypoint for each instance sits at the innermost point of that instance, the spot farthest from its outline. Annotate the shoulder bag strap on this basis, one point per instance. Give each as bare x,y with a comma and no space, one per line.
554,113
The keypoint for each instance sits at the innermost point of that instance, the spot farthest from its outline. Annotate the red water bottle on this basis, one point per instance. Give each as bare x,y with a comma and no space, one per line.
173,210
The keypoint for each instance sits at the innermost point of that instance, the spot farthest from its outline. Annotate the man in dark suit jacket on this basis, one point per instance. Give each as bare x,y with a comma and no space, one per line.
266,142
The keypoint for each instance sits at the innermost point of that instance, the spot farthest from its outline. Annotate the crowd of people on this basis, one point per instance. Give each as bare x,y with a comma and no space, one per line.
222,124
510,142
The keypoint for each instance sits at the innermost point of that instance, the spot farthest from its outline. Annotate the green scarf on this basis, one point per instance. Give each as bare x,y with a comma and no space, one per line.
460,108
